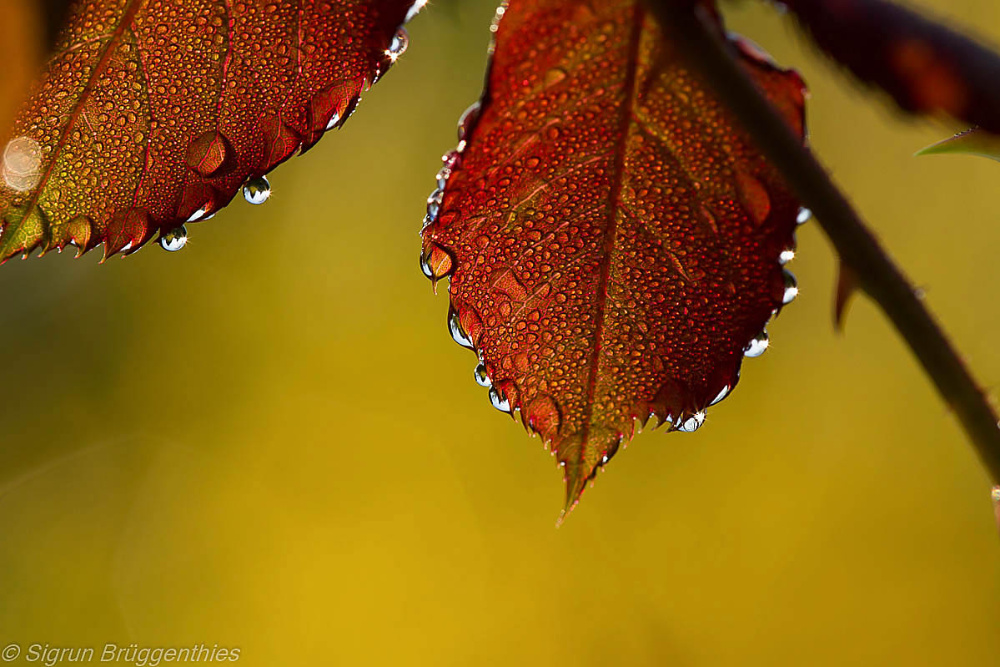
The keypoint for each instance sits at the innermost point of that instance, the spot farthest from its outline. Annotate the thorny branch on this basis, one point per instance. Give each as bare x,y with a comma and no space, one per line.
873,271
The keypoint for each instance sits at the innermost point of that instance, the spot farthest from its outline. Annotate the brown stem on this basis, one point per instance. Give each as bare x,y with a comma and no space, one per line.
688,25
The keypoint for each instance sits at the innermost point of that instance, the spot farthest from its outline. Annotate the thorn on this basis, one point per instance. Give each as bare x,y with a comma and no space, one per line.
847,285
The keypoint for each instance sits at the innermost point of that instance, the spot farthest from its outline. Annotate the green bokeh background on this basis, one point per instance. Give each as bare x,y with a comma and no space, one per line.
269,440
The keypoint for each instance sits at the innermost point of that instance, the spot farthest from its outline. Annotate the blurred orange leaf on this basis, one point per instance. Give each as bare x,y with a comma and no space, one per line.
614,244
150,115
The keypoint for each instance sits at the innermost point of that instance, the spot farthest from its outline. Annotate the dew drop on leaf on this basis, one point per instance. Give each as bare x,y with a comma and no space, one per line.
397,47
482,378
692,423
457,333
791,288
467,120
257,190
803,216
498,401
786,256
758,345
202,214
174,240
722,394
414,10
435,262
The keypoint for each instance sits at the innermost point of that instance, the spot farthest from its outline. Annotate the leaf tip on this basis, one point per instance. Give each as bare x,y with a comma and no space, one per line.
576,479
970,142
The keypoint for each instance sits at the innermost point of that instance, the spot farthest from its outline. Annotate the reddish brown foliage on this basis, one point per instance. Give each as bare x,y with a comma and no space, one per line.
151,113
612,241
924,66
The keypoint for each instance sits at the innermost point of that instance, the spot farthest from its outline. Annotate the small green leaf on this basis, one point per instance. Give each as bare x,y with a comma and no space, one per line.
973,142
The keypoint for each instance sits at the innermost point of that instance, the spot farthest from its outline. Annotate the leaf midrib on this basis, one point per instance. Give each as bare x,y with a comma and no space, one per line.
128,16
611,233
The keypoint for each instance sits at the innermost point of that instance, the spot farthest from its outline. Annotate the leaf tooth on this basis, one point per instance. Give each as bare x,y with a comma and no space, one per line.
22,231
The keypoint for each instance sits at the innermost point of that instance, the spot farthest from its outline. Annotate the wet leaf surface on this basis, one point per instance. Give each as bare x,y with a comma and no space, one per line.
151,114
613,244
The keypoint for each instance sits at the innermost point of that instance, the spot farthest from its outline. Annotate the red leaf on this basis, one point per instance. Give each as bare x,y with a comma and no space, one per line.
150,115
926,67
613,243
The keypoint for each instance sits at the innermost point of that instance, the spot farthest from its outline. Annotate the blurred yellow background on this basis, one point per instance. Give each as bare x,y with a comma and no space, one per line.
269,440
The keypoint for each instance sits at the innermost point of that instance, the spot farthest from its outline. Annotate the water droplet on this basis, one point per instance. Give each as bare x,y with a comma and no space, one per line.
209,153
498,401
482,379
786,256
754,196
455,327
414,10
442,177
435,262
605,459
257,190
450,160
397,47
22,164
722,394
467,120
692,423
758,345
434,203
803,216
202,214
174,240
332,123
791,288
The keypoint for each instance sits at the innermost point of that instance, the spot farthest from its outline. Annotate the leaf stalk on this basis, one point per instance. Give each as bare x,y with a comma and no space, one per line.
688,25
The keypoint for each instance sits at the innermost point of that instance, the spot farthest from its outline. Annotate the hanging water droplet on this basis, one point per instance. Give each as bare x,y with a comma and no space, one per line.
758,345
202,214
442,177
257,190
791,288
498,401
450,160
414,10
692,423
332,123
425,265
605,459
174,240
435,262
786,256
482,379
466,121
722,395
434,203
803,216
397,46
457,333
